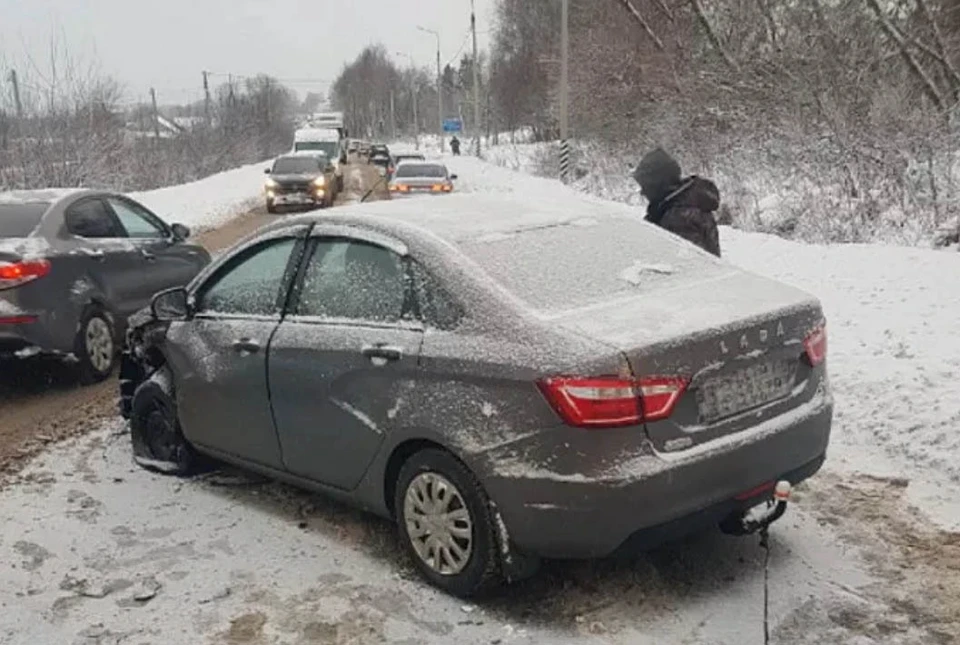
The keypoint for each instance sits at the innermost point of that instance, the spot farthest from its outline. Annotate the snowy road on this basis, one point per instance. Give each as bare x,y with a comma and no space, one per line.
95,550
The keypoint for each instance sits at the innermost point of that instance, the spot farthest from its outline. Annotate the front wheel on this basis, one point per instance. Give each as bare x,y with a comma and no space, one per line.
158,442
445,524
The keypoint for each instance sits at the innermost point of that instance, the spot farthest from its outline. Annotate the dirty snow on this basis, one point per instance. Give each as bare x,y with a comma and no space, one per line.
210,201
98,550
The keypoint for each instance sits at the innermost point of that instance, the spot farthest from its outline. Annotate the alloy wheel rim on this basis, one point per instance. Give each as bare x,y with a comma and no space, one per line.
438,523
99,343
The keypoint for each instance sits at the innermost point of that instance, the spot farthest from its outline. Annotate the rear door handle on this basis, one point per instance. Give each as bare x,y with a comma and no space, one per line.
383,352
246,346
148,256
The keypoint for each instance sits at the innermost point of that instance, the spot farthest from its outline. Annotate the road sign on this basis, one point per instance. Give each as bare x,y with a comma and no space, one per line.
452,125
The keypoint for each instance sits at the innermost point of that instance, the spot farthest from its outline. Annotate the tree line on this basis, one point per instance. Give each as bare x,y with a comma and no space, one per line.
71,127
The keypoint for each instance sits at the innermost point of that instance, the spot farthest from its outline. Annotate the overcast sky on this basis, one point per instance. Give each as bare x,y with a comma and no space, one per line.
167,43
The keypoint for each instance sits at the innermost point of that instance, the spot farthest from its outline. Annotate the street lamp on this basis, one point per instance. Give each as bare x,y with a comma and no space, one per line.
413,91
439,87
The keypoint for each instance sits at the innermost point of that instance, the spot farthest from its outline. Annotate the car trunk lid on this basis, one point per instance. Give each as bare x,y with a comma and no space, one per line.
737,337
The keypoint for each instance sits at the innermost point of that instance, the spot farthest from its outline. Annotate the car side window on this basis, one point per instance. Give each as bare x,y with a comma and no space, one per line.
137,221
439,309
354,280
250,284
91,219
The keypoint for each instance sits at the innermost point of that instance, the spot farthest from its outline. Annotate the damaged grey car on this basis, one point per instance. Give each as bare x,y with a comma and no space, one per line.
505,388
74,264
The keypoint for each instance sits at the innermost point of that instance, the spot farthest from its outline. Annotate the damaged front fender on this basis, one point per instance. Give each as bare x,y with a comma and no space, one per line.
142,355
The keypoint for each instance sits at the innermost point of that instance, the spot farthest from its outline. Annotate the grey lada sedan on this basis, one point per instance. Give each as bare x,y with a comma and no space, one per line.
507,384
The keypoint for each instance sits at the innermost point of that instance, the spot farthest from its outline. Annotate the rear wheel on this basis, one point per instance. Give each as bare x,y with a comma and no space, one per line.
444,521
95,346
158,442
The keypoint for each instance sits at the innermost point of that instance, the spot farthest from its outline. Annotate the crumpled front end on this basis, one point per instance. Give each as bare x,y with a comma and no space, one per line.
142,355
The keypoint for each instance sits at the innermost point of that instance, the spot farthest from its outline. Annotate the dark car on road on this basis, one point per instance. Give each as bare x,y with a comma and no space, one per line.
74,264
505,383
305,179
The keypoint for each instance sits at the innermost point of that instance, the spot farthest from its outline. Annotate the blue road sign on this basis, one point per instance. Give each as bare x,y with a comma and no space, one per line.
452,125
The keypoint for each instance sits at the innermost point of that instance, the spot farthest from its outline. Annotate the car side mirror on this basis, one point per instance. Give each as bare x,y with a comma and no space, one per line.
266,171
171,305
180,232
452,177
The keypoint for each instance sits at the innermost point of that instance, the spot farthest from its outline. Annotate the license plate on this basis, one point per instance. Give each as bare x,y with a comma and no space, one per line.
744,389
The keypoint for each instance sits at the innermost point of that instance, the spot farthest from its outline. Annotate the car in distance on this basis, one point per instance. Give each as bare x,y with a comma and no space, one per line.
300,180
412,177
383,163
75,264
410,156
457,370
325,140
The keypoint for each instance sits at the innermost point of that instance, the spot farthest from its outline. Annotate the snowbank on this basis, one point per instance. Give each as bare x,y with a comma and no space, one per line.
210,201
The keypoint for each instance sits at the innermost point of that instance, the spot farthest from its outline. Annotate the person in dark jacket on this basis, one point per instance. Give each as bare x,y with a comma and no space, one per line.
455,146
682,205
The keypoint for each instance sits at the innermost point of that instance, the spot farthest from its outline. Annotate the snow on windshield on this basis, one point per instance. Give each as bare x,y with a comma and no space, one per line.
20,220
421,170
572,265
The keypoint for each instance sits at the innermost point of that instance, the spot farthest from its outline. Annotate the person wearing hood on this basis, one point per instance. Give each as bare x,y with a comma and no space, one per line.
682,205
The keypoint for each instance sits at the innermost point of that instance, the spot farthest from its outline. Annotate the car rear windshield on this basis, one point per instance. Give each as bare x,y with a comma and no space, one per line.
421,170
588,261
19,220
295,165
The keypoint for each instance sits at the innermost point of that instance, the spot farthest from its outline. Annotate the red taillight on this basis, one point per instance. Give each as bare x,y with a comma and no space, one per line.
14,274
17,320
660,395
815,345
612,401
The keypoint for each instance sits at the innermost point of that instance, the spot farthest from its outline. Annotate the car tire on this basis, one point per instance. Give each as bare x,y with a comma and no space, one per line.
95,346
158,441
439,475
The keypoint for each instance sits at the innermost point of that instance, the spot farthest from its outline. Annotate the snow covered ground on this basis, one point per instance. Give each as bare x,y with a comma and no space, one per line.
210,201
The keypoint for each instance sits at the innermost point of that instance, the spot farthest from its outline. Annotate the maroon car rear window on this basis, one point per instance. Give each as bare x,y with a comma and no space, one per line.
20,220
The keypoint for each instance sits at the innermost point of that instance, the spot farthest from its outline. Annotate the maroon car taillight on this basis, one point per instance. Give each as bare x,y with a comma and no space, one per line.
612,401
14,274
815,345
17,320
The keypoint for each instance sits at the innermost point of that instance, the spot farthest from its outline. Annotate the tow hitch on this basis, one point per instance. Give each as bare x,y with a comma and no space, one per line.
759,518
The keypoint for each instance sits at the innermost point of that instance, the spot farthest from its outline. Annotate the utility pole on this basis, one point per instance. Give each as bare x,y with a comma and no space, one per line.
439,88
156,115
393,119
564,78
16,93
206,98
476,77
